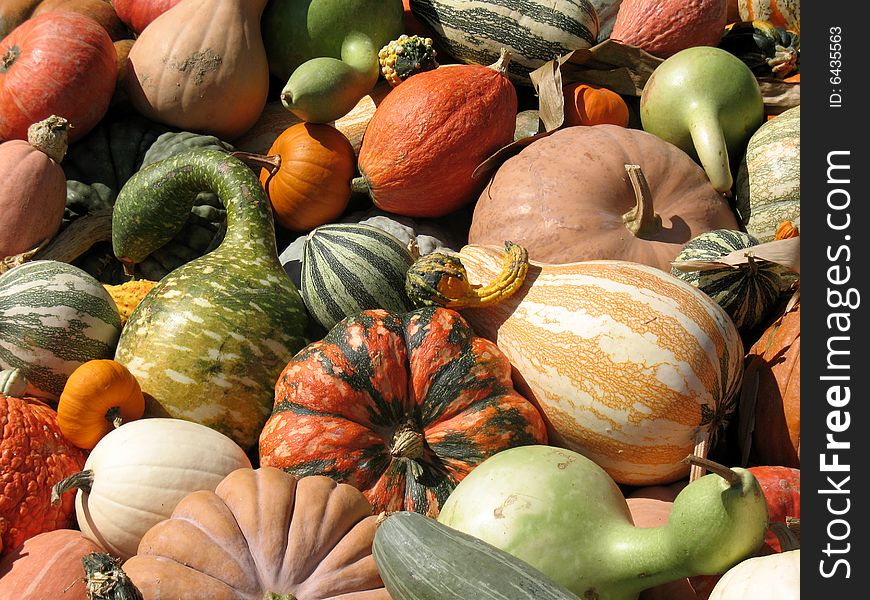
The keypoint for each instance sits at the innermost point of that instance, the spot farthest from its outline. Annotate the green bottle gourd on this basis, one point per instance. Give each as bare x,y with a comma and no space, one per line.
560,512
208,343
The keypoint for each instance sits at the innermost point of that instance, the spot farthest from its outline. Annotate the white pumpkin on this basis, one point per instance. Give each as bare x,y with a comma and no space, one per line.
141,470
629,364
772,577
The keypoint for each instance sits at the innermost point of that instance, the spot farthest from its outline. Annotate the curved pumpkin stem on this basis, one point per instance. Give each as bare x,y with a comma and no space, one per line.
270,162
113,416
721,470
642,220
83,480
439,279
50,136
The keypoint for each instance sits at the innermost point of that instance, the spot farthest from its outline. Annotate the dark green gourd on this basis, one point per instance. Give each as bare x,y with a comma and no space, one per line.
209,341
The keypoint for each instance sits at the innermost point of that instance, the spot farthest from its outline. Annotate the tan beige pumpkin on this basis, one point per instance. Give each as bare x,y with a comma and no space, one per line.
32,186
629,364
263,534
568,197
201,66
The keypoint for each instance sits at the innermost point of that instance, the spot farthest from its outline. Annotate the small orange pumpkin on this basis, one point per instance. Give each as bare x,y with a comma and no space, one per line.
587,104
312,185
98,396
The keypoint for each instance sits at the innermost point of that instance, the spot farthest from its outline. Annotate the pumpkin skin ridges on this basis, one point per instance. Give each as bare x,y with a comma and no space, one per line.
457,394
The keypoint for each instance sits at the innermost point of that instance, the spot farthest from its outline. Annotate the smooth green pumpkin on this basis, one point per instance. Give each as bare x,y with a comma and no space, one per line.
707,102
561,513
327,51
209,341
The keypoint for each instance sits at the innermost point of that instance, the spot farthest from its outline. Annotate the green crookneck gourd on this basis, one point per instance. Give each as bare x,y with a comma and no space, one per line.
560,512
209,341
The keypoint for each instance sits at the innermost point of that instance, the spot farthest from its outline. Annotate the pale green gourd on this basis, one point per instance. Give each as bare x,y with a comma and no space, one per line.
561,513
208,342
707,102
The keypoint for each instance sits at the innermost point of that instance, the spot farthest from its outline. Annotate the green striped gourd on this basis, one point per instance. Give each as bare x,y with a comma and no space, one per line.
768,178
347,268
748,292
535,31
209,341
53,318
629,364
420,558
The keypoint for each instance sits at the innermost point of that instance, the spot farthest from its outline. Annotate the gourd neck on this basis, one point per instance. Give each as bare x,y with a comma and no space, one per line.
159,199
642,221
711,149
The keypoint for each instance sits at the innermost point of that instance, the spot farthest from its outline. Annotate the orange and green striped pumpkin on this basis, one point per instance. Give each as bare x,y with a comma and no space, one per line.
629,364
783,13
400,405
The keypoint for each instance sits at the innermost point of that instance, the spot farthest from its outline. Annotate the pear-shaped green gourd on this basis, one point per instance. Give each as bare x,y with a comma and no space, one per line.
327,51
560,512
707,102
208,342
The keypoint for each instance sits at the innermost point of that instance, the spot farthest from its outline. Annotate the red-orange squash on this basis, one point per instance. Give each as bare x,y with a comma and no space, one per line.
100,11
774,360
587,104
32,186
262,534
568,197
47,566
401,406
58,63
312,185
429,134
35,456
137,14
664,27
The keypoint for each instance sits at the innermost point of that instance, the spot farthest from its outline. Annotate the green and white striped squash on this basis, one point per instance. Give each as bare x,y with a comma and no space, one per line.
208,342
420,558
749,292
347,268
53,317
768,178
534,31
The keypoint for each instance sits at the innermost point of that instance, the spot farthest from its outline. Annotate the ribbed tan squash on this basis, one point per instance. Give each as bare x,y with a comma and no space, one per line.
201,66
628,364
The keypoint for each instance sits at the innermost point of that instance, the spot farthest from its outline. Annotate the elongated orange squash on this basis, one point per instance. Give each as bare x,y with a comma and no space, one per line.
629,364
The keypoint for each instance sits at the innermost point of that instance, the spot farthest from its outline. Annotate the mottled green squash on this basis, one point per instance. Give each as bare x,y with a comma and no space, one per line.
209,341
769,176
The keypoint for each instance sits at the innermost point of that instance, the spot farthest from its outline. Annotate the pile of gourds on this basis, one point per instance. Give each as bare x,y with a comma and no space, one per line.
340,299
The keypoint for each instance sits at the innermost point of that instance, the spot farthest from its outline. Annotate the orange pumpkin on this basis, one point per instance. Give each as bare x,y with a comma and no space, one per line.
312,185
98,396
48,565
775,359
587,104
35,456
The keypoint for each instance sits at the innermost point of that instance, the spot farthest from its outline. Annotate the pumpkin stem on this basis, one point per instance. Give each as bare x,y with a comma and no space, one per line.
501,65
407,442
440,279
105,580
9,57
729,475
270,162
113,416
359,185
276,596
50,136
642,220
83,480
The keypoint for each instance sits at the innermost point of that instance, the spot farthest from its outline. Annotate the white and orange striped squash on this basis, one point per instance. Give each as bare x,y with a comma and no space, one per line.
628,363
